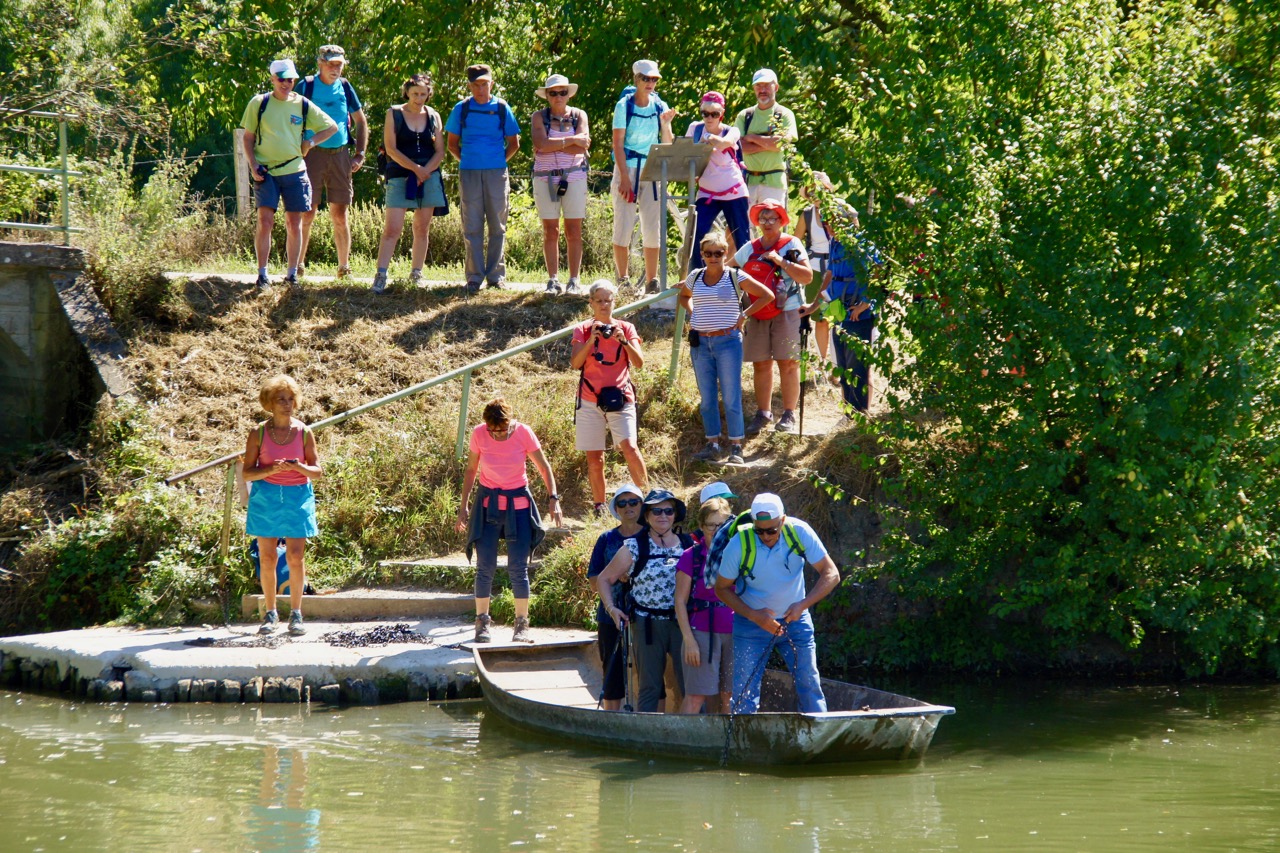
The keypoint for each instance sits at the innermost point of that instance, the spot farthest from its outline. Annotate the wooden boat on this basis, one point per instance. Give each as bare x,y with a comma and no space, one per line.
554,688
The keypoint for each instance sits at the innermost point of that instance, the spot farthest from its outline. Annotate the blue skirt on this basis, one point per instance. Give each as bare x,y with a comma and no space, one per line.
281,511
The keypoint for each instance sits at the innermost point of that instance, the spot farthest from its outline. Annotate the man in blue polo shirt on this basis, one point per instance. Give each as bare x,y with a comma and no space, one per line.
331,163
482,132
767,595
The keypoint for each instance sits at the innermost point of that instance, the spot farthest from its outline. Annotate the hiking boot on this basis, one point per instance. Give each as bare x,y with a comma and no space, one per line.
483,621
473,287
296,628
263,283
269,623
759,422
574,287
343,272
653,286
624,284
499,284
380,283
553,286
710,453
786,423
521,632
735,455
415,278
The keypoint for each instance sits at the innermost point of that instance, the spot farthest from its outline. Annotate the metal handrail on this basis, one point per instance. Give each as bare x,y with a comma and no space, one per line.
464,373
65,188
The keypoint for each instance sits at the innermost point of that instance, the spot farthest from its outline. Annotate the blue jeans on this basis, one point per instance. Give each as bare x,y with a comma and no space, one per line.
519,544
718,362
736,220
855,388
751,643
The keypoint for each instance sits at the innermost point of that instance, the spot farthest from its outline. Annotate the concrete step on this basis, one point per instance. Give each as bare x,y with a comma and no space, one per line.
361,604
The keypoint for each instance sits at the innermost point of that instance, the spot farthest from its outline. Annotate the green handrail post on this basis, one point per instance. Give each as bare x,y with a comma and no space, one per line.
66,185
460,447
224,545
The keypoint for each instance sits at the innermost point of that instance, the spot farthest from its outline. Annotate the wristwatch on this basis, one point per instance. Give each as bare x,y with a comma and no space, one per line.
553,497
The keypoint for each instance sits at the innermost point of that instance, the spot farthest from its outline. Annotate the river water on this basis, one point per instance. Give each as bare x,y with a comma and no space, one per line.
1019,767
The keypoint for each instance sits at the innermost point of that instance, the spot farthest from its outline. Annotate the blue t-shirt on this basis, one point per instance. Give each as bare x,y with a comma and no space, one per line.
778,580
644,131
607,546
484,140
338,102
849,273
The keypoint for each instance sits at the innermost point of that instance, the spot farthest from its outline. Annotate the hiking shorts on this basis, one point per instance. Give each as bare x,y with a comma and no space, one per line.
295,189
647,208
572,205
590,425
330,171
773,340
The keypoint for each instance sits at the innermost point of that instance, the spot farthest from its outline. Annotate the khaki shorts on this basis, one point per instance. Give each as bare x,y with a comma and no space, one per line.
647,207
572,205
590,425
757,193
716,673
773,340
330,171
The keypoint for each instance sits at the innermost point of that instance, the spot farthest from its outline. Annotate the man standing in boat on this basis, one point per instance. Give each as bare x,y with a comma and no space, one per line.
761,578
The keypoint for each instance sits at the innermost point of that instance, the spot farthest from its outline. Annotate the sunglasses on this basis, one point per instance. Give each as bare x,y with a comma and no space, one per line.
497,432
662,510
769,532
646,78
627,504
285,80
719,253
711,113
557,93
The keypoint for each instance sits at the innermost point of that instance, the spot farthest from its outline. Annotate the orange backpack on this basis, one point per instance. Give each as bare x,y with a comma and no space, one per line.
767,274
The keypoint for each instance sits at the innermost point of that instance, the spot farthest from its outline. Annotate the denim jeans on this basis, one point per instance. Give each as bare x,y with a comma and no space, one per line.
751,643
519,544
718,362
856,388
735,219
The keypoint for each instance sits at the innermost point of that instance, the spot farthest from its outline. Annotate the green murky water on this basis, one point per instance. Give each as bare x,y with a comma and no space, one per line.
1019,767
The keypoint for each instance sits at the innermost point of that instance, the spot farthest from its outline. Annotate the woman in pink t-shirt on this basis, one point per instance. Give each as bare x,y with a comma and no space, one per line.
504,509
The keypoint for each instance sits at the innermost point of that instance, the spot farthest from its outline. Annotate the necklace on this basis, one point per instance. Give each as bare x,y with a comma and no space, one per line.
662,541
275,434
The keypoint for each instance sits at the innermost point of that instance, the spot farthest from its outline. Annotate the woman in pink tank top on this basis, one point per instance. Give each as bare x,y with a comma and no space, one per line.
504,509
280,461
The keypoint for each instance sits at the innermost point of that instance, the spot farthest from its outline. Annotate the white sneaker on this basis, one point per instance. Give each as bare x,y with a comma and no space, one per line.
380,283
553,286
574,288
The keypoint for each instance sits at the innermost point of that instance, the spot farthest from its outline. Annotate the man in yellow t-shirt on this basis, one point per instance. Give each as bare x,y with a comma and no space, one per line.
764,129
273,129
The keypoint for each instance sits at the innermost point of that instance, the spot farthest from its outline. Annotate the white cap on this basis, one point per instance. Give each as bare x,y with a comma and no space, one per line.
764,75
766,507
647,67
283,68
715,490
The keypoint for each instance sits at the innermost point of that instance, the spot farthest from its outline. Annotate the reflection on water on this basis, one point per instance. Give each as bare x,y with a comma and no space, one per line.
1018,767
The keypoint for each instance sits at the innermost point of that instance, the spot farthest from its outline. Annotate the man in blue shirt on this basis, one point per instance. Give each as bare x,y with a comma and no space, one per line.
765,589
331,163
482,132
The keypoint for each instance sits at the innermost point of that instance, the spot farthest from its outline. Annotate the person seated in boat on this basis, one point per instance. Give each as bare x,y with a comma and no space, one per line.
706,624
761,578
626,506
649,562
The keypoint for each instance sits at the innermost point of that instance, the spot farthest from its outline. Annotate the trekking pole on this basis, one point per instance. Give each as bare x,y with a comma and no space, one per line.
625,639
805,328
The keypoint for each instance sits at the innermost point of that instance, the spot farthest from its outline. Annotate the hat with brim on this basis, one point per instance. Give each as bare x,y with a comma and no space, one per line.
555,81
626,489
284,70
770,204
330,52
716,490
657,496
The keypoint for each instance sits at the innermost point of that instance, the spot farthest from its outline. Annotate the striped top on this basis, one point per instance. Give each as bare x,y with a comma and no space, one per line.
715,304
560,126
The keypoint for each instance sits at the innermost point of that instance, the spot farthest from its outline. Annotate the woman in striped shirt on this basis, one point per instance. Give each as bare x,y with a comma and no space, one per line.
712,296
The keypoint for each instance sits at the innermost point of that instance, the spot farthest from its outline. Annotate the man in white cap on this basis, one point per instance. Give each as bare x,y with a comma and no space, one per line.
761,578
482,132
274,126
331,163
763,128
640,120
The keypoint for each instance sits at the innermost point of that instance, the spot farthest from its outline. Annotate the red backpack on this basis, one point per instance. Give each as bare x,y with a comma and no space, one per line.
768,275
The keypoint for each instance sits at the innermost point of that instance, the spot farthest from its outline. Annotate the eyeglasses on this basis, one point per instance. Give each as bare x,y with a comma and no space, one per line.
558,93
719,253
768,532
627,504
711,113
769,217
497,432
647,79
662,510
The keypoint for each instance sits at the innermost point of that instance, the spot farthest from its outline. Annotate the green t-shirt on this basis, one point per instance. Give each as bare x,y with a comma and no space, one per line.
782,119
280,136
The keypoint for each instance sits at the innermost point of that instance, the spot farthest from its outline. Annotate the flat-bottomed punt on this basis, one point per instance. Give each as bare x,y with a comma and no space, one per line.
554,689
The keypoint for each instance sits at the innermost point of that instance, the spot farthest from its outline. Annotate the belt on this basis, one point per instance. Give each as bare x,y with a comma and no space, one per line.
717,333
555,173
